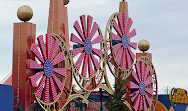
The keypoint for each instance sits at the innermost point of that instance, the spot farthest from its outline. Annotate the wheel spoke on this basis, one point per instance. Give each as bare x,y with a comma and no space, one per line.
42,46
83,22
48,45
77,51
125,22
145,106
93,30
116,27
135,94
36,52
61,71
142,70
136,103
128,59
148,80
138,70
133,45
130,22
89,24
132,85
90,68
97,52
141,103
148,100
98,39
123,60
119,55
115,37
35,78
39,89
53,90
75,39
131,54
55,47
95,62
120,22
135,76
58,82
78,30
46,91
132,33
149,90
84,68
79,61
116,47
31,64
146,73
59,58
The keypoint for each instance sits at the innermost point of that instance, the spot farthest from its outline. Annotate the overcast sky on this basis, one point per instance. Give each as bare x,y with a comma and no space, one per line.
164,23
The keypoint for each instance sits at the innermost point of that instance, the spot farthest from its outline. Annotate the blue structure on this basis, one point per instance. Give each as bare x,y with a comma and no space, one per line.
180,107
6,97
164,99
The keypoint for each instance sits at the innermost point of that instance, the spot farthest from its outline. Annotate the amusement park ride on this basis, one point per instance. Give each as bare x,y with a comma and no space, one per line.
43,71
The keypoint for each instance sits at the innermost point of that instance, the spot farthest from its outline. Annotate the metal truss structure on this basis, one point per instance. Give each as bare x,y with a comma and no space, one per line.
55,80
143,86
117,38
56,66
89,66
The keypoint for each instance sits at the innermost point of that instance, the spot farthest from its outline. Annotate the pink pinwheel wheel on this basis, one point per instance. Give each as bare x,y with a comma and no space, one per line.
49,84
141,87
87,53
85,46
120,41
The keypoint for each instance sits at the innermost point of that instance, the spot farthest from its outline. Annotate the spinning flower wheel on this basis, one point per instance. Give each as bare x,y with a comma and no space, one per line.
143,86
53,80
88,54
117,36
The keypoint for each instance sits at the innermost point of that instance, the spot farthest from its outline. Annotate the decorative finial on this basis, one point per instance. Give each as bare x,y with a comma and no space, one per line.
66,2
143,45
25,13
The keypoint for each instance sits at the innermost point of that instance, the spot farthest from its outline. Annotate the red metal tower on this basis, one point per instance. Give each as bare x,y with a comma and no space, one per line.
24,36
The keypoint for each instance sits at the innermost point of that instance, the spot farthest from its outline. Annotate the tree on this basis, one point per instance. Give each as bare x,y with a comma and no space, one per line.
116,103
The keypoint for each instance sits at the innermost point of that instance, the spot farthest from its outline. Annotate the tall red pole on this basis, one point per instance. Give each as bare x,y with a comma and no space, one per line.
58,20
23,37
123,7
